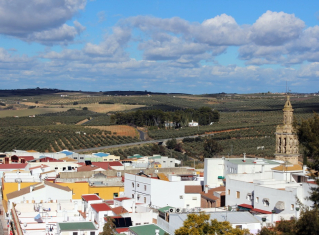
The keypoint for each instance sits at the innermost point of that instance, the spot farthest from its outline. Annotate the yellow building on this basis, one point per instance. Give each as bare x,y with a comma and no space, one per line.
105,192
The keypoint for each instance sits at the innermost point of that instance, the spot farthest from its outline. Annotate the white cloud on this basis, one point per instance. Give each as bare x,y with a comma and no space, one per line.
276,28
36,19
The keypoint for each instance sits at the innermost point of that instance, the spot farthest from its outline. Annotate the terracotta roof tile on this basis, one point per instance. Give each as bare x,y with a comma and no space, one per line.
91,197
101,207
119,210
65,188
193,188
122,198
27,158
13,166
24,191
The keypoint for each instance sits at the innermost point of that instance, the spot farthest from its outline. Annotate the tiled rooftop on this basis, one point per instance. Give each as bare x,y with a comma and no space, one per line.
101,207
90,197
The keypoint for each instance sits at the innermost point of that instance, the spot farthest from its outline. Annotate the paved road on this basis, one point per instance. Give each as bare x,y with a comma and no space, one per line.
142,134
132,144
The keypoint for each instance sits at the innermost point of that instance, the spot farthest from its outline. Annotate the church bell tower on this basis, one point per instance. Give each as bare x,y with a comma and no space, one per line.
287,144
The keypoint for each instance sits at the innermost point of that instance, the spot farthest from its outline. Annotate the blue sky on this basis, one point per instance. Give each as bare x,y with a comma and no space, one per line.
168,46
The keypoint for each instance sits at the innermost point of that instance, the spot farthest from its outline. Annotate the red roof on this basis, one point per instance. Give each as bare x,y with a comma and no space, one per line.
109,202
311,182
107,165
119,210
122,198
261,211
121,230
255,209
13,166
50,159
91,197
246,206
101,207
27,158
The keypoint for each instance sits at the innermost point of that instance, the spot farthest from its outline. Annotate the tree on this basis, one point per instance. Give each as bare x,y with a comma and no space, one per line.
308,134
211,148
171,143
198,224
109,226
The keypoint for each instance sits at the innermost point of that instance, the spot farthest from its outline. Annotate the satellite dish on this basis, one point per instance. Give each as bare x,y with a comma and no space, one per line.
18,180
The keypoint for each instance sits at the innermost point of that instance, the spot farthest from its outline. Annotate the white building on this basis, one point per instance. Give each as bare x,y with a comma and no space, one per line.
192,123
270,192
39,193
161,192
216,169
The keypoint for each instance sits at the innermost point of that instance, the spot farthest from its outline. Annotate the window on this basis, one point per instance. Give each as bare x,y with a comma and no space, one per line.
105,160
299,179
97,194
115,194
138,224
237,194
292,207
144,199
138,185
146,223
257,199
75,233
133,185
194,198
111,159
181,197
81,157
228,191
132,195
144,187
92,233
239,226
266,202
63,169
56,168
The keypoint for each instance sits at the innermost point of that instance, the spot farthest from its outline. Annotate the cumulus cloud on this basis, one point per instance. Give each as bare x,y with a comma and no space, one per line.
220,30
276,28
176,52
35,20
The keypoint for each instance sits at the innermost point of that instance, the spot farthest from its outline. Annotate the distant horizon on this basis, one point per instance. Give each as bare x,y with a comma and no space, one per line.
169,46
153,92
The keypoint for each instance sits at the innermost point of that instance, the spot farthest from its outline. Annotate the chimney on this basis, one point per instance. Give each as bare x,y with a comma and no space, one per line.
19,186
157,231
206,188
244,157
31,189
304,168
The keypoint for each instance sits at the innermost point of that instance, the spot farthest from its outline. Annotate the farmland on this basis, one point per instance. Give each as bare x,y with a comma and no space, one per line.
246,121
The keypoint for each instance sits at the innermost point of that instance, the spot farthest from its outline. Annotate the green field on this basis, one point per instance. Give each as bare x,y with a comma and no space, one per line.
29,112
246,121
